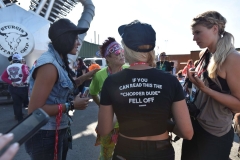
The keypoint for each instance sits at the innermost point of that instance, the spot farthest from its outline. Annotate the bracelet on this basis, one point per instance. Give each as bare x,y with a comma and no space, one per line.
67,107
71,105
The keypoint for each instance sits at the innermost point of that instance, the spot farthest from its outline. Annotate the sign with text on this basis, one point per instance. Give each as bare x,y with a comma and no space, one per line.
142,98
15,38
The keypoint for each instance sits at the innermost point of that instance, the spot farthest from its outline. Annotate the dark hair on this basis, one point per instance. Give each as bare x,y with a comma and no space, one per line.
80,62
163,53
63,45
10,58
189,61
105,45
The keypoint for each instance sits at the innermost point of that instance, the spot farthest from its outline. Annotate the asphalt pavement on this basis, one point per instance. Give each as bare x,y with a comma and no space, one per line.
84,136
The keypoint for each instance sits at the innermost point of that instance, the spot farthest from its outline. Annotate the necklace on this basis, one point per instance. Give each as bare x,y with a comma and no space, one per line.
138,63
109,71
161,65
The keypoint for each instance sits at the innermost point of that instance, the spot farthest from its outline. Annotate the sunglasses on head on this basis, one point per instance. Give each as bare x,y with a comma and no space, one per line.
163,55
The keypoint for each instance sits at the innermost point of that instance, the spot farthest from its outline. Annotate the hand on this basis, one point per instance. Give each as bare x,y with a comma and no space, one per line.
237,118
12,150
14,84
91,73
195,80
79,80
80,103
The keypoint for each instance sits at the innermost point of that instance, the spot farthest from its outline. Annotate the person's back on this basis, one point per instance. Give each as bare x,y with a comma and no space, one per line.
16,75
151,97
142,98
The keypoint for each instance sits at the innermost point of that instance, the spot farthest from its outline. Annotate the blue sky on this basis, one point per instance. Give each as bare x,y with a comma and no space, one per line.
171,19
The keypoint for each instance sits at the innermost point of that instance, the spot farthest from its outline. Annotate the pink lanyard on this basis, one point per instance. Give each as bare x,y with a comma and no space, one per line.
138,63
58,119
110,72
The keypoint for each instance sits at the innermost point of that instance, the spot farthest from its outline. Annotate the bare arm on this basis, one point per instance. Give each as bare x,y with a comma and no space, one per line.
105,120
183,127
96,99
83,71
232,76
43,87
45,78
79,80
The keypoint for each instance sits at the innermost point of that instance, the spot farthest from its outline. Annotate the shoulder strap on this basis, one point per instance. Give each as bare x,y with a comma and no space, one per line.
194,99
203,56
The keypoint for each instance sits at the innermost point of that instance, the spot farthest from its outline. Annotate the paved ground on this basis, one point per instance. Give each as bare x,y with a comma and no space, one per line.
83,134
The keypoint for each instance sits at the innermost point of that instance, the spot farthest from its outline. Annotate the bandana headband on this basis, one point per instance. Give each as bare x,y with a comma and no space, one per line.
113,47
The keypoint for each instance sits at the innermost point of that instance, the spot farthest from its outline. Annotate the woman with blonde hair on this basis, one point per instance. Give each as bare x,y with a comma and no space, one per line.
218,90
142,97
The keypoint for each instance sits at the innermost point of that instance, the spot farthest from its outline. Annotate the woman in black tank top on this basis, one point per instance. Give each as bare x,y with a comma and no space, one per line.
216,78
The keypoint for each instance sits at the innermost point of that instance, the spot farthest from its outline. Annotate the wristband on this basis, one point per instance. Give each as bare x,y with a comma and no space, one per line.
71,105
67,107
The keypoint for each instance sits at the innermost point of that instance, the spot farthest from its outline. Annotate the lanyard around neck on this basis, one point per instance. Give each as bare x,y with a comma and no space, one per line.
138,63
109,71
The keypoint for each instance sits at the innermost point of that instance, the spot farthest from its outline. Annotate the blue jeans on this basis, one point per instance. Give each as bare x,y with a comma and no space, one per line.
41,145
18,95
205,146
143,150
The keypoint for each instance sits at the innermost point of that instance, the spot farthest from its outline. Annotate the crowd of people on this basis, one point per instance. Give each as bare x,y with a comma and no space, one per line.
140,104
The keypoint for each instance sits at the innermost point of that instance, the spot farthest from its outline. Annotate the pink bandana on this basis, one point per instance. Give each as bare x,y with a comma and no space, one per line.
113,47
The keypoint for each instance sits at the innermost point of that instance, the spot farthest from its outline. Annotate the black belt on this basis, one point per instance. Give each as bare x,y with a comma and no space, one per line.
20,85
163,144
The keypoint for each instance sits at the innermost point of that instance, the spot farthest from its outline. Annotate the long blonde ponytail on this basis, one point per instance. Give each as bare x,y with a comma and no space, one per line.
224,44
224,48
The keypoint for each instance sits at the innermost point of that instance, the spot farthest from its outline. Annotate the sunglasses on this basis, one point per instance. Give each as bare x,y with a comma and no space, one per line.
118,52
163,55
116,49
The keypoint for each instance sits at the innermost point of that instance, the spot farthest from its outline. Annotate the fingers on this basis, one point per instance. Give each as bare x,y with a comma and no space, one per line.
79,94
81,103
86,99
191,75
5,139
11,152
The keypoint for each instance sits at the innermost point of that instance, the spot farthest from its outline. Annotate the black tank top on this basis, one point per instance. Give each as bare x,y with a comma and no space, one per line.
223,83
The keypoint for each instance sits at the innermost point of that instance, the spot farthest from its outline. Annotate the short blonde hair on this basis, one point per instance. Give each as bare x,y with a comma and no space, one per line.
133,56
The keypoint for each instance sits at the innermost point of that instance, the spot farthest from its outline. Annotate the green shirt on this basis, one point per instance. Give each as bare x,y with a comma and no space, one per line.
97,83
98,80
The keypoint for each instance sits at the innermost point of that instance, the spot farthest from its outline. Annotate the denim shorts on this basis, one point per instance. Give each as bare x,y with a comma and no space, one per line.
41,145
143,150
